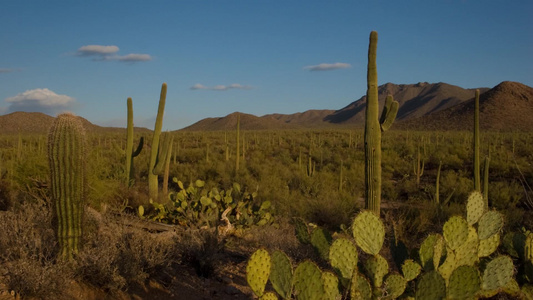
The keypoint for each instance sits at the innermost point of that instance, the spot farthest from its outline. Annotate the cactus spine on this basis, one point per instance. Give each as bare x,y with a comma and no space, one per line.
66,157
157,157
373,128
477,179
130,154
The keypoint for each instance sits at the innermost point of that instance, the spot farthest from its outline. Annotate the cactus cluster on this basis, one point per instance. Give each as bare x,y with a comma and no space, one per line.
460,263
198,206
67,157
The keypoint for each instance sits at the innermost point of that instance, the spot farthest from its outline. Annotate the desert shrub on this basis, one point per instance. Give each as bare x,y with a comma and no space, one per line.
117,256
201,249
503,195
28,250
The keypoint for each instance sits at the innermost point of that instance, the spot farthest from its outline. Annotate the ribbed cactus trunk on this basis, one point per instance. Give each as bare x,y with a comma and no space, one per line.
130,154
66,156
153,186
372,132
237,155
477,162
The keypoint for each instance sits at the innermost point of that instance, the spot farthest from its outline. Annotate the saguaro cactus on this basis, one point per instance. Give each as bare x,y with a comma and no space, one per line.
158,152
130,154
477,178
66,156
237,155
373,128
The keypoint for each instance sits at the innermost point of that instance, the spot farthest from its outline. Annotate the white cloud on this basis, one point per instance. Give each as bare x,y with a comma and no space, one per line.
109,53
220,87
327,67
133,57
8,70
97,50
40,100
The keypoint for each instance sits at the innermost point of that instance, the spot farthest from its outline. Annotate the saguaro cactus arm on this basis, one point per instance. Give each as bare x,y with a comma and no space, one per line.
152,178
388,115
130,154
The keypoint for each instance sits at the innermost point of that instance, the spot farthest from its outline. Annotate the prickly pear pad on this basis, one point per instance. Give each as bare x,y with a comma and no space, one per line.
360,288
455,232
488,246
331,286
475,207
368,232
394,286
308,282
281,274
431,286
463,283
258,271
343,257
490,223
410,269
376,267
498,273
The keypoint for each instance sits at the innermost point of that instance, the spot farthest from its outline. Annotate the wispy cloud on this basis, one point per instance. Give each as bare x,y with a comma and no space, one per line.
328,67
8,70
40,100
109,53
238,86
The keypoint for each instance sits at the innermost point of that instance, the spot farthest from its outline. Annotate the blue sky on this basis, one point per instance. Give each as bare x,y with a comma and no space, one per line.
256,57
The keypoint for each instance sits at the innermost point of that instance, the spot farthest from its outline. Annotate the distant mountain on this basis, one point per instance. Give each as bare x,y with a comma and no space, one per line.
415,100
229,122
39,123
506,107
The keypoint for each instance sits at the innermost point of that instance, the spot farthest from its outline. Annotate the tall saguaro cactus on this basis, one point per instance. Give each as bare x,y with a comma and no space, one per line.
130,154
477,162
373,127
66,157
237,155
158,153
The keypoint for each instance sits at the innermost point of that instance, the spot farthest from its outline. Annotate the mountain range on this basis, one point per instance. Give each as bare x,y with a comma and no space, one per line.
423,106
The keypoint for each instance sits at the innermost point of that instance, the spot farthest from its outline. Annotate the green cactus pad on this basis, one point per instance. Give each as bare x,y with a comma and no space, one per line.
268,296
343,257
331,286
488,246
449,265
467,253
431,286
464,283
394,286
475,207
368,232
410,269
514,243
302,231
308,284
321,240
455,232
281,274
427,251
497,273
438,252
258,271
490,223
376,268
512,288
360,288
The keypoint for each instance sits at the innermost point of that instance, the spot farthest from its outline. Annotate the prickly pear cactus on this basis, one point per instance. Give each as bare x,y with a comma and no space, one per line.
475,207
331,286
410,269
258,271
490,224
455,232
431,286
308,284
430,251
281,274
464,283
498,273
376,268
368,232
394,286
321,240
343,257
360,287
488,246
